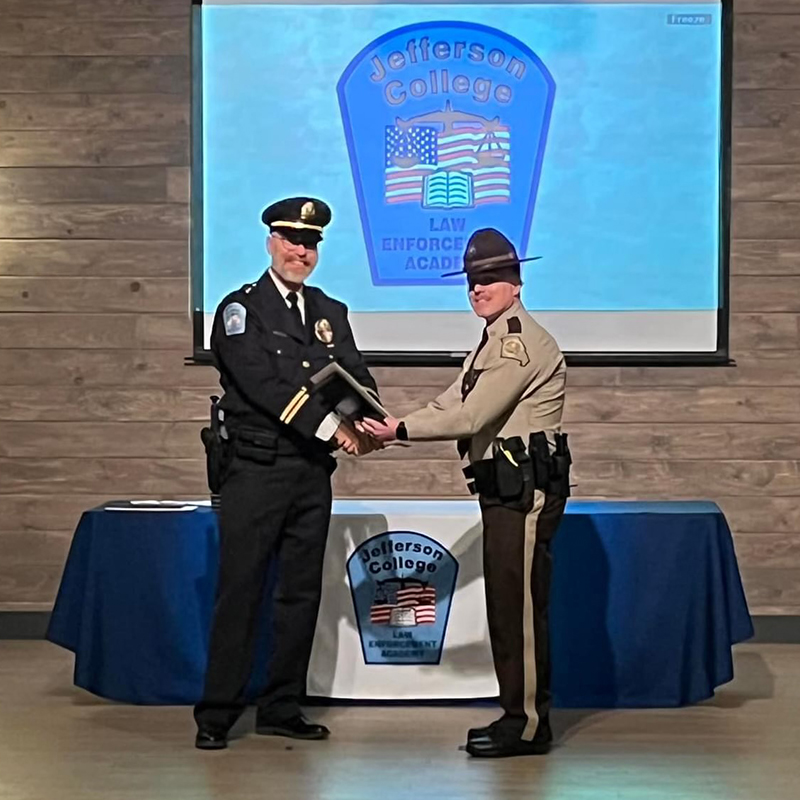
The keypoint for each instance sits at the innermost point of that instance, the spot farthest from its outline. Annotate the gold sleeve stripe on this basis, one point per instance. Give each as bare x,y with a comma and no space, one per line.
292,403
293,413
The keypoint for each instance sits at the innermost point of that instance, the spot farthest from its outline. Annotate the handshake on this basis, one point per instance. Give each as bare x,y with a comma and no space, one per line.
365,436
358,433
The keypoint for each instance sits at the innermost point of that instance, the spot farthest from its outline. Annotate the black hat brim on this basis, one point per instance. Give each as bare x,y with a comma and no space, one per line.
492,267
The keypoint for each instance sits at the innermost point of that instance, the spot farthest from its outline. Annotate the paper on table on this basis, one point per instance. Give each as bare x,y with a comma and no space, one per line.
149,508
165,502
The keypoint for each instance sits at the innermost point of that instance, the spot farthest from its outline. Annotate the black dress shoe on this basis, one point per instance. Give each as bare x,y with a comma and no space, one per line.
511,725
208,739
495,747
502,743
480,733
295,728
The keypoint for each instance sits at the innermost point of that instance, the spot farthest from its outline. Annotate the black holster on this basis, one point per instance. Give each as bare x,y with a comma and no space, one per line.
562,461
215,453
505,479
551,470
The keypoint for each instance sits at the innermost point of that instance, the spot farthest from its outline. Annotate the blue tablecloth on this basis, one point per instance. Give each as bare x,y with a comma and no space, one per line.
646,603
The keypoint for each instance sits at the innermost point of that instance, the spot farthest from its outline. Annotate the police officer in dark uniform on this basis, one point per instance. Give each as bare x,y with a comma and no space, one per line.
276,440
505,409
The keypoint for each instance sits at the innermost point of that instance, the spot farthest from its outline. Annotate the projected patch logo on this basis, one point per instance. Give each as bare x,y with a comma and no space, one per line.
402,584
446,125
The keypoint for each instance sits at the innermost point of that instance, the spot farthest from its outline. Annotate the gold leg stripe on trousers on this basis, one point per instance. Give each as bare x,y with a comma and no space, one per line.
528,640
292,403
300,403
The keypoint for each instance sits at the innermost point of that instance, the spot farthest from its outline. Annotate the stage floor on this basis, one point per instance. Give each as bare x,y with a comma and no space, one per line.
59,742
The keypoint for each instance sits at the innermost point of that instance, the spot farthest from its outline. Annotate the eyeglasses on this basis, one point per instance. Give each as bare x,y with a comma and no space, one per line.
287,240
480,281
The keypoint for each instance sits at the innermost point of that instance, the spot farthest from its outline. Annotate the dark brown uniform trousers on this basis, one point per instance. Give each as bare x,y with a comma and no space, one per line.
517,568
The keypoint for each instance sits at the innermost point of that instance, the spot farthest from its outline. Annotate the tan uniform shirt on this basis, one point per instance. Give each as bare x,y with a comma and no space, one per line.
513,385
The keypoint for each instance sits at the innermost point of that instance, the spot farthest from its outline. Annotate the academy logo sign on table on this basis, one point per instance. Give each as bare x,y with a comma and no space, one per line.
446,124
402,584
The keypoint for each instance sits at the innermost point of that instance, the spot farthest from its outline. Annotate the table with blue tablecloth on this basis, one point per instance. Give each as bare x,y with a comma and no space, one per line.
646,604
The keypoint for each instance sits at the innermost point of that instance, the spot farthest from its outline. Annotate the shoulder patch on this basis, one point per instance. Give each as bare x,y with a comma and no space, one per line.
514,325
512,347
235,318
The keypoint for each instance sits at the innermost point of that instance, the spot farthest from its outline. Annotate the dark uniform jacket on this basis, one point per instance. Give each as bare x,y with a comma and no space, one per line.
265,359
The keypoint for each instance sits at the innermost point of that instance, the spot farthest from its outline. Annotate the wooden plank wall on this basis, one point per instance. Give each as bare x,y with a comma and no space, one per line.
95,402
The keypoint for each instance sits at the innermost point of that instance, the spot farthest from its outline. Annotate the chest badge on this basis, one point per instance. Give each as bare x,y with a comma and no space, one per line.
323,331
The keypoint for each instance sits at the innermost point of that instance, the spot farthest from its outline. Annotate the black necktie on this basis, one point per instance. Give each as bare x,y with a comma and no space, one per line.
294,309
471,375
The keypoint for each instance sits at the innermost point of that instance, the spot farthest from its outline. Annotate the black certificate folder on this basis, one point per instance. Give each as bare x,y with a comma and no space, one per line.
341,392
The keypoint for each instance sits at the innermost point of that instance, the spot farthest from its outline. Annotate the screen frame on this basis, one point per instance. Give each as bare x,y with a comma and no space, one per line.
720,357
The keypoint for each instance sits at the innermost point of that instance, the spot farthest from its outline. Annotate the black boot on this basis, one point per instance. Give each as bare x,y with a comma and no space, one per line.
503,741
479,733
297,727
211,739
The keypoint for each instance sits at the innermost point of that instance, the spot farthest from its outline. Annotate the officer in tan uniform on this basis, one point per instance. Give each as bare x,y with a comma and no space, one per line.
505,412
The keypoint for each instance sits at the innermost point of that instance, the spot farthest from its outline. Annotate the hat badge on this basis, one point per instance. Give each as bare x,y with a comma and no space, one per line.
307,210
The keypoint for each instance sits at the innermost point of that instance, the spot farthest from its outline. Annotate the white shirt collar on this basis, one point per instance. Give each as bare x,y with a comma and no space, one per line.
284,289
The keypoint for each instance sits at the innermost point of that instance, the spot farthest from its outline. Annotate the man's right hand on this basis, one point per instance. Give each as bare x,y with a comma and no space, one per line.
346,439
353,442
